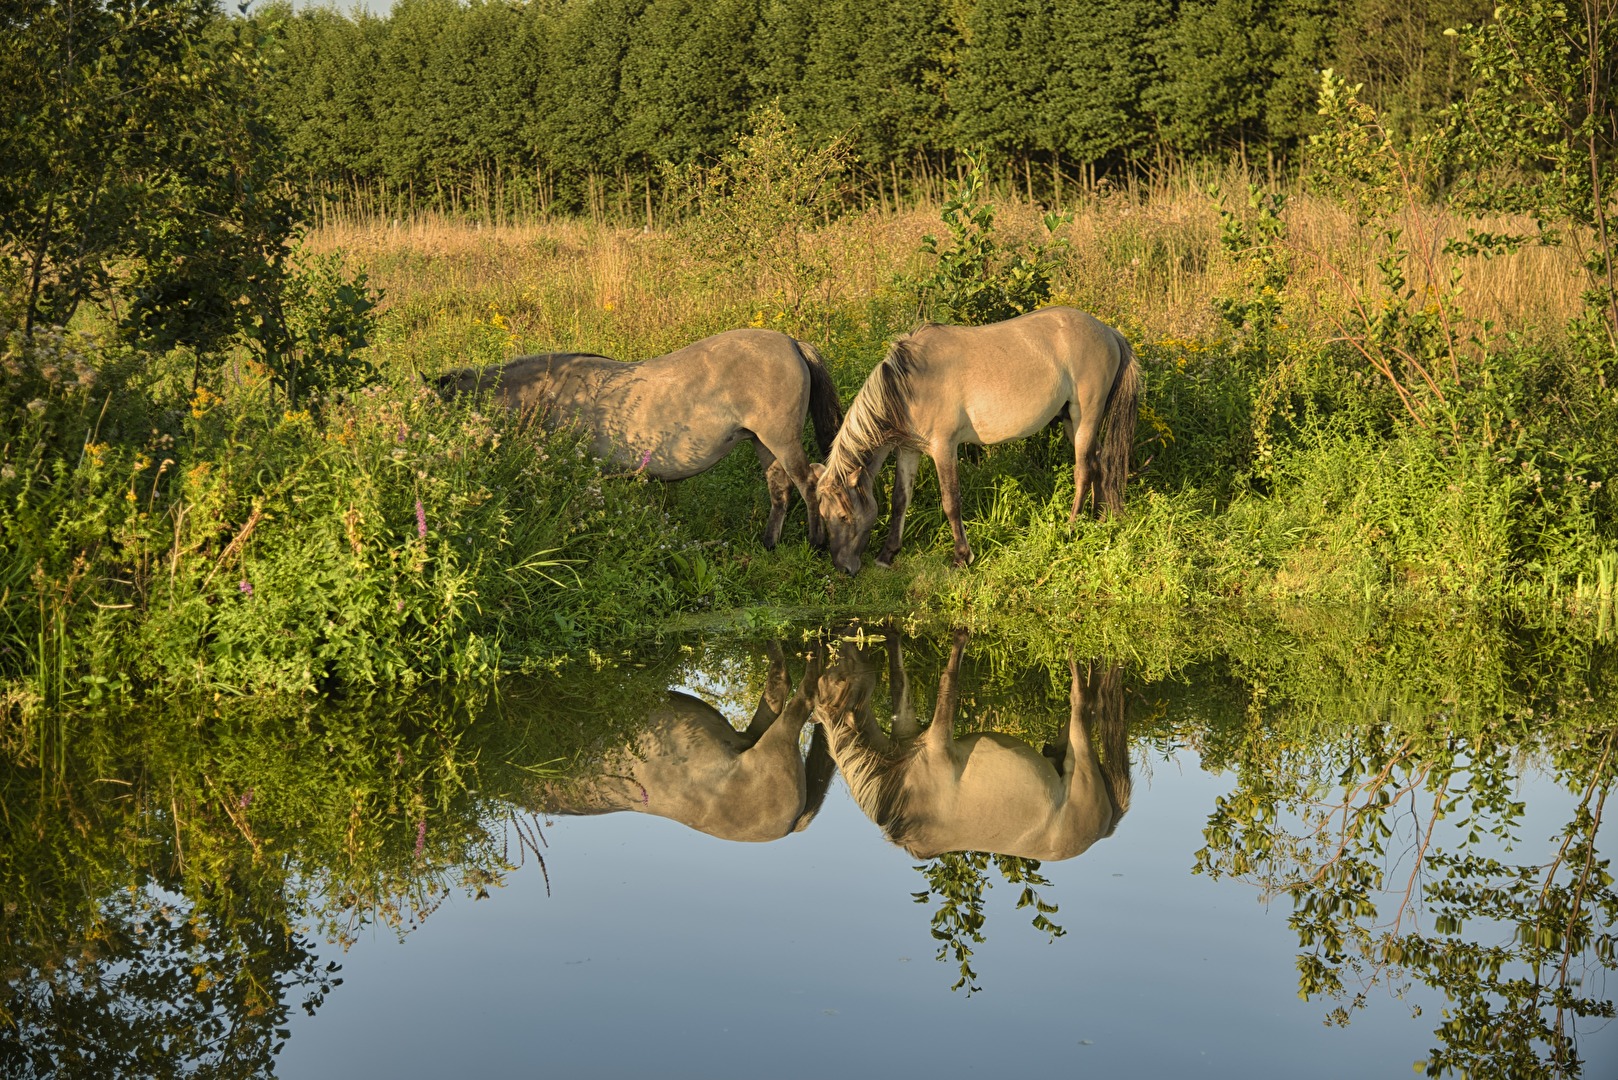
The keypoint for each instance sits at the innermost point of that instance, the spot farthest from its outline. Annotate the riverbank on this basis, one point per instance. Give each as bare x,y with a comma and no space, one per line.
216,539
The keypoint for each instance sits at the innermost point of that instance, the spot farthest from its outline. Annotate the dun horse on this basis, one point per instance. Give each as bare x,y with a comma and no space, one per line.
946,385
932,793
677,415
689,765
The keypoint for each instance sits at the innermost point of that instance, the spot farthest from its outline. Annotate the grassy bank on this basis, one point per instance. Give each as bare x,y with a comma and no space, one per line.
208,536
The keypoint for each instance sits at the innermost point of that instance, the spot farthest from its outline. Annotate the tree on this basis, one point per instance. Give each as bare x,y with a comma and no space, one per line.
1242,72
687,80
136,137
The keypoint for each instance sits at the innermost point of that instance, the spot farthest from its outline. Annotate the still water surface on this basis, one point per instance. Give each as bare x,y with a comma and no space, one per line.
1202,857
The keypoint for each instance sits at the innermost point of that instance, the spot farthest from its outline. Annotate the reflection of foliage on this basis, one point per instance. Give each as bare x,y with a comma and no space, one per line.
1306,823
959,879
154,982
164,873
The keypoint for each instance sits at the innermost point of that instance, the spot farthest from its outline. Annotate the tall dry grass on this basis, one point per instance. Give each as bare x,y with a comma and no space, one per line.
1145,257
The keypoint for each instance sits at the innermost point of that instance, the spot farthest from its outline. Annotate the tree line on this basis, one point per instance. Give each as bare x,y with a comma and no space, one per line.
578,104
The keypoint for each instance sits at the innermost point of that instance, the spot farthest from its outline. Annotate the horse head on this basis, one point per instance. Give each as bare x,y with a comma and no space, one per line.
848,512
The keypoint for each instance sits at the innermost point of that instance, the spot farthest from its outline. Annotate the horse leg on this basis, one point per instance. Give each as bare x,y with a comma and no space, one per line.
904,707
780,485
1086,455
794,465
904,481
949,485
942,728
774,697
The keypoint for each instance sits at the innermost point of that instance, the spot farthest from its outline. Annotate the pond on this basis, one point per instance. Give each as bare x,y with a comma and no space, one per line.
840,848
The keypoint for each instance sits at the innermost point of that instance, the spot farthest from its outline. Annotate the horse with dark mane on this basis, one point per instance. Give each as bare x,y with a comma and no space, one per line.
933,793
942,386
677,415
688,764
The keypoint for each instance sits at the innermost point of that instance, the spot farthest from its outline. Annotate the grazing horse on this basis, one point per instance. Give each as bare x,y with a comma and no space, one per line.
942,386
677,415
690,765
932,793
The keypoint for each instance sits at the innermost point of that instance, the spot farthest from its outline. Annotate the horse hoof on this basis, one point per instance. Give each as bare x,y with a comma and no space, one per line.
885,561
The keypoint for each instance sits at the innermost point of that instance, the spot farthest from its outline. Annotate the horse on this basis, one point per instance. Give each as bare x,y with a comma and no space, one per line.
942,386
932,793
690,765
677,415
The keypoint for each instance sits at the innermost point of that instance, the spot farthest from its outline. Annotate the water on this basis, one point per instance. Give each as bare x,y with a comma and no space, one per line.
636,945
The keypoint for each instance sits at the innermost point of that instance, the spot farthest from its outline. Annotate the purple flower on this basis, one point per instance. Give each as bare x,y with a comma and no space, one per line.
246,587
645,459
421,520
421,836
247,797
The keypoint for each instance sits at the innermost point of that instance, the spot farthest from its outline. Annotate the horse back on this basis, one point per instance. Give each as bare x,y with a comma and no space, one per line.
990,384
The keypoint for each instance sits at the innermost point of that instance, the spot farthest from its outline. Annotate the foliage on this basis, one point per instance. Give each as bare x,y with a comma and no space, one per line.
757,208
486,109
136,137
314,330
1537,132
973,282
959,880
390,538
1331,849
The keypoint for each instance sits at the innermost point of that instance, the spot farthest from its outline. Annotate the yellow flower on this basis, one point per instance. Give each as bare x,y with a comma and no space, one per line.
203,400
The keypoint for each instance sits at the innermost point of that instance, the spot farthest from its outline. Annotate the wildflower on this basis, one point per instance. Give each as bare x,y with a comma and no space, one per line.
36,406
421,520
644,460
421,836
245,587
202,401
247,797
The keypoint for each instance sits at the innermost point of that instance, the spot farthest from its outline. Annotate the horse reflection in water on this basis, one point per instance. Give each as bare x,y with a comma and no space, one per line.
932,793
690,765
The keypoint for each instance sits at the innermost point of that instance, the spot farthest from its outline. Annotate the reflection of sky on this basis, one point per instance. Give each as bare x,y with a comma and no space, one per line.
666,953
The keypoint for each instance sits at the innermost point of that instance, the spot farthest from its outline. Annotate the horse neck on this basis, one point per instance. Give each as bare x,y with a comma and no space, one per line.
846,465
875,422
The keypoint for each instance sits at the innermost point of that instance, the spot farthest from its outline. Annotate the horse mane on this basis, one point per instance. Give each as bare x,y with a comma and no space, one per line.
879,416
876,777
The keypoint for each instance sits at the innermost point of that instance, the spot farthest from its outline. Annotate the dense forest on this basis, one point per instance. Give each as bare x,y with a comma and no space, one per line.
581,102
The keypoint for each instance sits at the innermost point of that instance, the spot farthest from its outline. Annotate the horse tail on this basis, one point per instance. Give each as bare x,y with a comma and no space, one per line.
1123,408
1112,727
818,769
824,408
